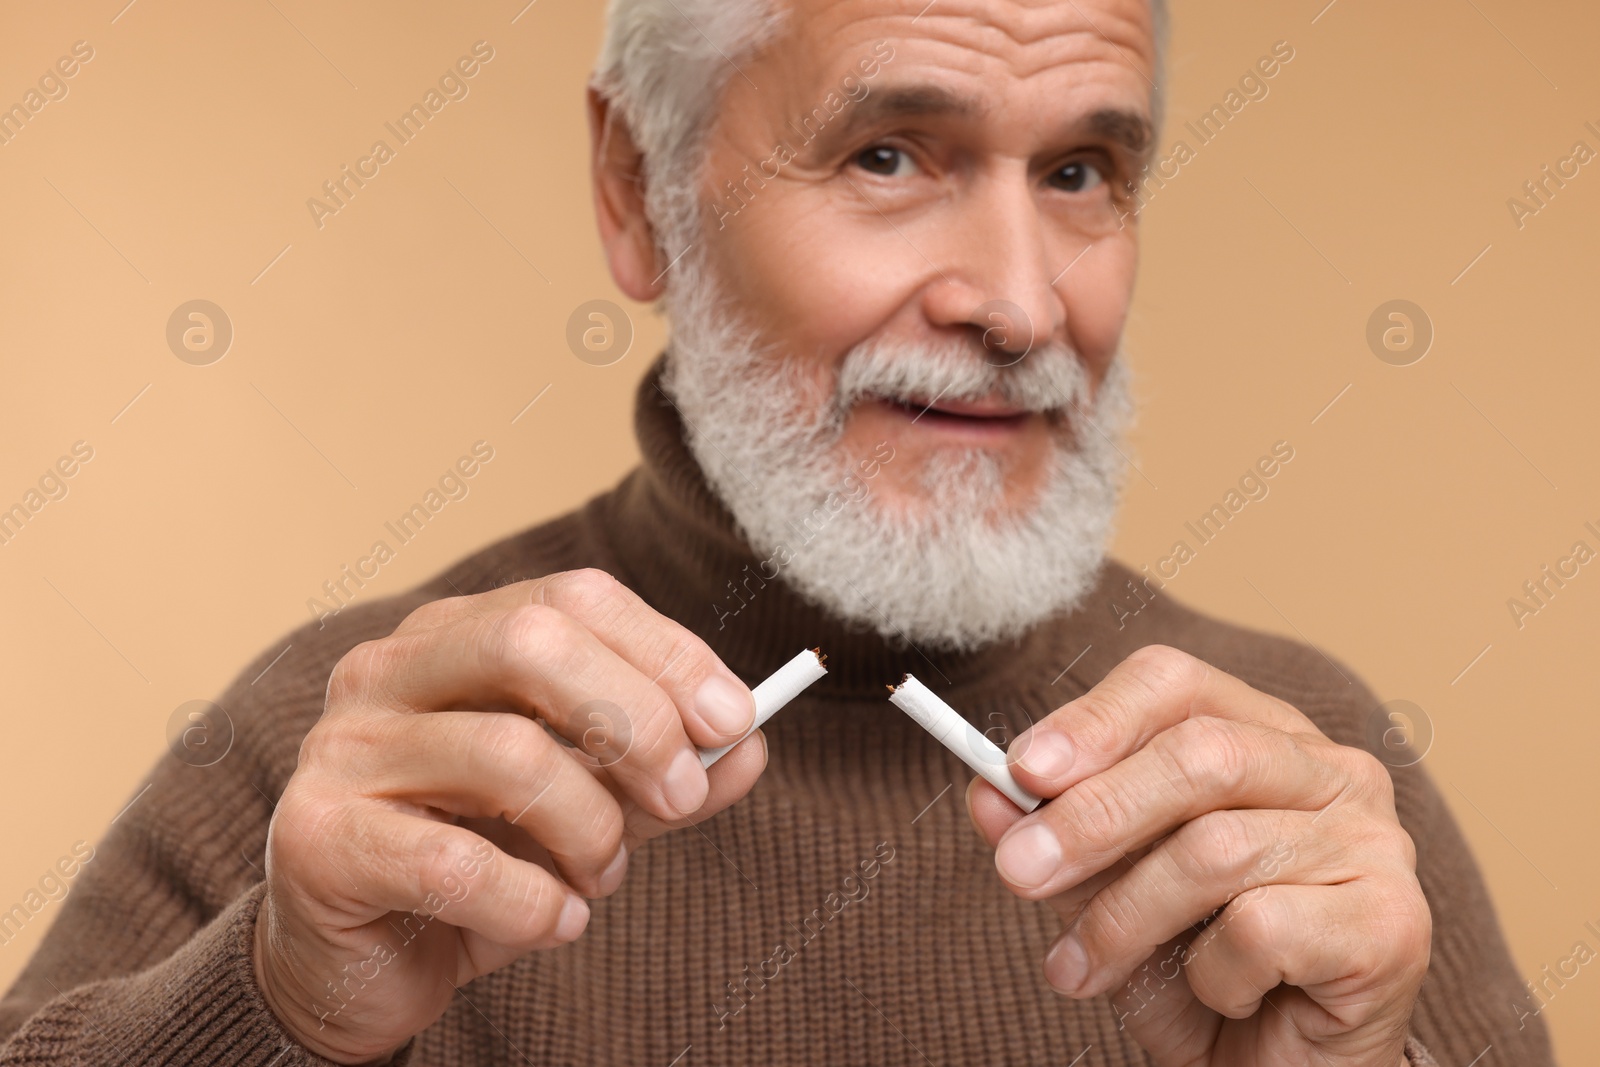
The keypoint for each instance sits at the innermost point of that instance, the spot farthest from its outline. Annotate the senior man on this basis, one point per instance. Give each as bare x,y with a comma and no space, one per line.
467,824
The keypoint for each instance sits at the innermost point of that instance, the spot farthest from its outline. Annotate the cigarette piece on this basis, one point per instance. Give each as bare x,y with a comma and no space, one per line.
961,737
785,684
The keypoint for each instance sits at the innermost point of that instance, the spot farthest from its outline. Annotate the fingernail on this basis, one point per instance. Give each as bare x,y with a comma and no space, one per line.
1045,754
1029,857
574,917
611,877
1066,965
724,705
685,785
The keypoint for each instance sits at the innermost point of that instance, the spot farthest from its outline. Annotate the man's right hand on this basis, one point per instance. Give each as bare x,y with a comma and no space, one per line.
433,831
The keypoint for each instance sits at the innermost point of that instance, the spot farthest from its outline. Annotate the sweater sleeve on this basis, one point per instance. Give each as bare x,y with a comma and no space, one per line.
1473,998
198,1006
149,959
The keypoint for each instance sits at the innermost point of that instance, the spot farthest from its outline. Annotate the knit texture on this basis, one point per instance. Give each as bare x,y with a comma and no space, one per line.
738,941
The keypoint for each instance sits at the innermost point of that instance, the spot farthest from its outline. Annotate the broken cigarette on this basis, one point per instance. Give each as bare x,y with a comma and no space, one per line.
783,686
961,737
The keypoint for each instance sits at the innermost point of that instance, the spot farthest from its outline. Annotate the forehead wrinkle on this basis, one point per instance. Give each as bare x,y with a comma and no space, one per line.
1008,31
980,49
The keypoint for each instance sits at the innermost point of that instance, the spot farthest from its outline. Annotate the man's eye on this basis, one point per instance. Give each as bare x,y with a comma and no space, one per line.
885,160
1078,176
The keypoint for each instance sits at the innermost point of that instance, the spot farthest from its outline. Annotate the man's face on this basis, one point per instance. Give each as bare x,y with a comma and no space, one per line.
959,172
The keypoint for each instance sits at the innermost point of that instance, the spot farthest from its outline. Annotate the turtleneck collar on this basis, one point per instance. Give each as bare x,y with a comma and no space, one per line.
680,549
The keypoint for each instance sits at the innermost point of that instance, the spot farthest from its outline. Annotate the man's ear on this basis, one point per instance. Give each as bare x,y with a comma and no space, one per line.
625,231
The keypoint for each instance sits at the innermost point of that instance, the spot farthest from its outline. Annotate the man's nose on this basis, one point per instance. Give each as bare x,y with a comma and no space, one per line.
995,272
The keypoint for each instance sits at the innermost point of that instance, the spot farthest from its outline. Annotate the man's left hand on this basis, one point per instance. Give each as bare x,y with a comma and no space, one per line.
1236,881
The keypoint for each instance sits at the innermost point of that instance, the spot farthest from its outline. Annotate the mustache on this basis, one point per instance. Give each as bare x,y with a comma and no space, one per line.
1049,378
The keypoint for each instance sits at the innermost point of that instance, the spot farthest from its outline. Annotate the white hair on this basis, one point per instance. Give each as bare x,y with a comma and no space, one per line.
663,65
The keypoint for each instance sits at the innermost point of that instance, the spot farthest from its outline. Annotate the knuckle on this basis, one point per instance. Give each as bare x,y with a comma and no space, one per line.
1370,771
540,908
302,822
1147,676
1366,959
607,731
1381,843
1354,774
357,672
654,726
585,591
539,899
336,744
1384,787
1413,936
1109,925
1210,756
1166,669
1406,847
1217,847
688,657
602,835
313,747
519,753
433,614
1097,815
1254,921
542,634
513,743
441,856
1099,715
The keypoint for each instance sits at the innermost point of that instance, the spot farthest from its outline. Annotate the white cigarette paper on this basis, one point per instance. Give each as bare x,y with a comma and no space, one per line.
785,684
961,737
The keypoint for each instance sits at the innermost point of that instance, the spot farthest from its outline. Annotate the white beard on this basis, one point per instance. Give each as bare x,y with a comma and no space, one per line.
955,569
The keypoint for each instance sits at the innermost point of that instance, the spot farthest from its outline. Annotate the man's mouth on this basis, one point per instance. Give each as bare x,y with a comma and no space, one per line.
986,416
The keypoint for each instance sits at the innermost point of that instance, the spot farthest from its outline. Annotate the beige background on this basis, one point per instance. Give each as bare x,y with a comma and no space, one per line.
426,314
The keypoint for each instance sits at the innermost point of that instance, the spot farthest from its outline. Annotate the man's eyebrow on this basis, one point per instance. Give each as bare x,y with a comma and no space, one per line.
1127,128
1130,129
901,102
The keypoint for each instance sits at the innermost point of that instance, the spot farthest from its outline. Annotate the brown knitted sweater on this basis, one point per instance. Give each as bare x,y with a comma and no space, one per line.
744,940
